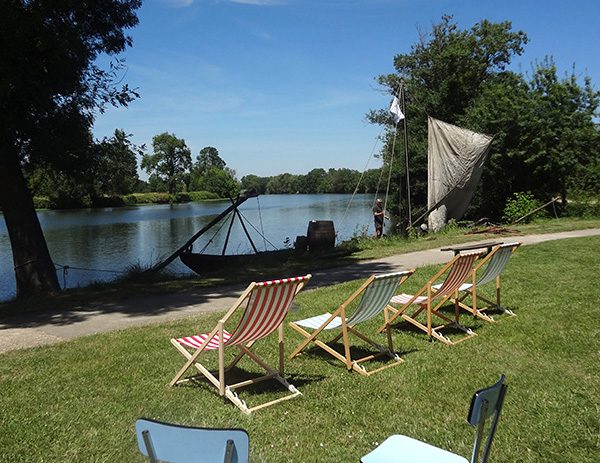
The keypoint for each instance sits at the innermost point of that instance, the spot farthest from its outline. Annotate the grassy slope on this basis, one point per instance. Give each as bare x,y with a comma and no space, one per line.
78,401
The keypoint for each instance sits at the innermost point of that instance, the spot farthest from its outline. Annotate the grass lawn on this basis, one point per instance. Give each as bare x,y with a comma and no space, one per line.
78,401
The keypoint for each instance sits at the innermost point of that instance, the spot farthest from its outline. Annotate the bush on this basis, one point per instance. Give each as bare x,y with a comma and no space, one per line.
519,206
202,195
181,198
42,202
108,201
152,198
130,200
583,205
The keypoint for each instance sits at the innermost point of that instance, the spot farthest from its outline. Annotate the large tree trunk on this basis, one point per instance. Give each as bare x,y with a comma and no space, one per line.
34,269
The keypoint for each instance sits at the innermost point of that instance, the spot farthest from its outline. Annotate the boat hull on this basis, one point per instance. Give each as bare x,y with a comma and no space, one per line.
206,263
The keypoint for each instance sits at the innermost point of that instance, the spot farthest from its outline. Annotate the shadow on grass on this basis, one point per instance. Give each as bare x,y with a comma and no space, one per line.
140,305
356,352
150,297
236,375
466,321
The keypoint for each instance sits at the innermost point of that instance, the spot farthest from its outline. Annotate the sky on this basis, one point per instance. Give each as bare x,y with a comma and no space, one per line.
284,85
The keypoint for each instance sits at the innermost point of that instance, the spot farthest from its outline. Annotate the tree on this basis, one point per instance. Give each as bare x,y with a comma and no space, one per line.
315,181
254,182
170,160
545,137
221,182
116,172
283,184
208,157
343,180
63,191
51,88
444,73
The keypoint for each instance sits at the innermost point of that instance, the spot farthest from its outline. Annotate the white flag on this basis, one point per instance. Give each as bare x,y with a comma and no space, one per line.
396,111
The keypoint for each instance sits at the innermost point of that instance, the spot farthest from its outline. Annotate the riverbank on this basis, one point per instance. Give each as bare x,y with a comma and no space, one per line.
55,324
133,199
102,245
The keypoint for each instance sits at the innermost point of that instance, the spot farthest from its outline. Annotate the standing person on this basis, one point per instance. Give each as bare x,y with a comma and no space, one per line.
378,216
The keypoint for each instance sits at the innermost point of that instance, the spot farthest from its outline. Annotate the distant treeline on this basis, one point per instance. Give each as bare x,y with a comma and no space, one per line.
316,181
109,177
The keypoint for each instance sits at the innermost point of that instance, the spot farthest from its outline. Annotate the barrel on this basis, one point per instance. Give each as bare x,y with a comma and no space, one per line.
320,234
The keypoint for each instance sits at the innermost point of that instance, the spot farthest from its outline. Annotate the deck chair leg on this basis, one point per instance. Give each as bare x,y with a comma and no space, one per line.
498,291
191,359
429,311
389,339
456,308
346,344
477,313
221,363
281,353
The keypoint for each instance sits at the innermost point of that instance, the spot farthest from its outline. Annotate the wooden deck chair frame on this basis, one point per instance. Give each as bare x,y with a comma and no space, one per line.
267,304
339,319
459,270
496,259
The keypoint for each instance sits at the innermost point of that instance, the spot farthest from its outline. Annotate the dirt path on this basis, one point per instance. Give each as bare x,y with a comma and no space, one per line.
36,329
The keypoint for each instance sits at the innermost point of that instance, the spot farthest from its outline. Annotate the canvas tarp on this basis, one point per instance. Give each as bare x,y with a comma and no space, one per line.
455,162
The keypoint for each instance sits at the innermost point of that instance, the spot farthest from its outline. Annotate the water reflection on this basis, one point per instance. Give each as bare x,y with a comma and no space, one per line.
95,243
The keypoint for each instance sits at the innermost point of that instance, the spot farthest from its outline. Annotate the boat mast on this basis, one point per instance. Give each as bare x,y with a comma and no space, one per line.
403,105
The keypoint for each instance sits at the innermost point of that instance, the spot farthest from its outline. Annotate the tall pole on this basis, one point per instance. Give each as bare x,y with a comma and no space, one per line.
403,104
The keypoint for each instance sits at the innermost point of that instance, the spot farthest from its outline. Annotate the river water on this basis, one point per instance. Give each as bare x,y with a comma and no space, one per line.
99,244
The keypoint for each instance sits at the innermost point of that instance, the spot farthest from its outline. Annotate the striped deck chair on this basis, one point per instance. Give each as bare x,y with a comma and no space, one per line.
376,293
266,305
496,259
431,301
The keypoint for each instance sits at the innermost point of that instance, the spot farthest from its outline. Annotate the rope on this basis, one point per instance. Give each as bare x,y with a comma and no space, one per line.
65,271
380,173
361,177
257,231
31,261
68,267
212,237
387,190
261,224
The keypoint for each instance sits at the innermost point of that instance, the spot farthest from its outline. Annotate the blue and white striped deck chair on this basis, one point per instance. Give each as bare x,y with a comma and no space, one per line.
376,293
496,261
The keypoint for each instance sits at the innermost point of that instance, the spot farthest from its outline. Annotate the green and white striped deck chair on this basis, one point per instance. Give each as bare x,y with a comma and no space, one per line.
376,293
496,261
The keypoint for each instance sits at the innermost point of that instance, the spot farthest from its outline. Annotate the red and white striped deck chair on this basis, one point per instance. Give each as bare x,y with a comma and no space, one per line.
458,270
376,293
265,306
496,261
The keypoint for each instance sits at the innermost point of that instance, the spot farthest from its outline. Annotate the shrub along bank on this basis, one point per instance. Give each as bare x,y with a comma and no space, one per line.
44,202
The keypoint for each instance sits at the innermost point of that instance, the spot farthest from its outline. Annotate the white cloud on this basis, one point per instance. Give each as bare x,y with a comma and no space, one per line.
177,3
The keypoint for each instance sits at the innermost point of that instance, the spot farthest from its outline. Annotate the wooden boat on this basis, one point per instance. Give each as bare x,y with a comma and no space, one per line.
206,263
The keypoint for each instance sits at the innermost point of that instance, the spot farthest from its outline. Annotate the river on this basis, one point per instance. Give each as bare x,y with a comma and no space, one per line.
99,244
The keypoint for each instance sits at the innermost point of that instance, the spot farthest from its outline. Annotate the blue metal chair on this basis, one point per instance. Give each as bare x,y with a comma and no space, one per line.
402,449
172,443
